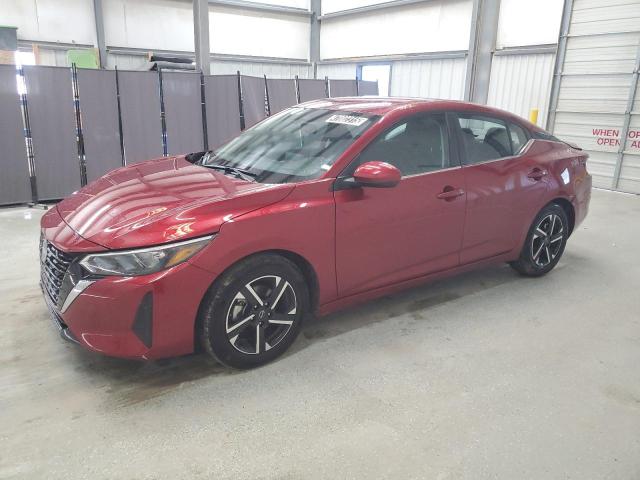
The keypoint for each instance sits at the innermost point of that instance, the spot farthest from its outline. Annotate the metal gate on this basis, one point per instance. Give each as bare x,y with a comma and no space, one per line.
595,101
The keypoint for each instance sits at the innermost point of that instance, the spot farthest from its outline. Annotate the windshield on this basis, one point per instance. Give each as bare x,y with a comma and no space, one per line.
295,145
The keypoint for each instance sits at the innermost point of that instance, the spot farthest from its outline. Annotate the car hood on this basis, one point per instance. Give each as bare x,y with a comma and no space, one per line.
161,201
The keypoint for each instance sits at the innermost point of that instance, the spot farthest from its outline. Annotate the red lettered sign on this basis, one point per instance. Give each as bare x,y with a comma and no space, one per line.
610,137
634,139
607,137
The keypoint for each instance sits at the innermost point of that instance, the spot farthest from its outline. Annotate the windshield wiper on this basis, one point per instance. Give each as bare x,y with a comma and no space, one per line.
238,172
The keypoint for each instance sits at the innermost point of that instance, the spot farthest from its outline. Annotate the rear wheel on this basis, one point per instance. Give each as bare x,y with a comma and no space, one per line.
545,242
254,311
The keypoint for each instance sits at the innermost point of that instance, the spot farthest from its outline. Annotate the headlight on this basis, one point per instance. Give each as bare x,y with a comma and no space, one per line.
145,260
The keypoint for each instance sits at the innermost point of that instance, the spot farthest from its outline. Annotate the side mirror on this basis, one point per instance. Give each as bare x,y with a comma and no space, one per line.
377,174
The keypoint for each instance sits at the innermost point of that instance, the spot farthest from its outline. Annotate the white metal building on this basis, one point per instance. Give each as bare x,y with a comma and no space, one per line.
477,373
424,43
423,48
596,102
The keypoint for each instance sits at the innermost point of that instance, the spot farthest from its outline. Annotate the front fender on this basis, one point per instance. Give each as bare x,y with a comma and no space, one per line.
303,223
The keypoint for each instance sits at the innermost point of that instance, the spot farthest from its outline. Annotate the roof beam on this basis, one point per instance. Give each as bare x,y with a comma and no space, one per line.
527,50
396,57
260,7
371,8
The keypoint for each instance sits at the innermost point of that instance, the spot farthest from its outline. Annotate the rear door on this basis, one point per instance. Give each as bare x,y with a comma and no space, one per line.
386,235
503,184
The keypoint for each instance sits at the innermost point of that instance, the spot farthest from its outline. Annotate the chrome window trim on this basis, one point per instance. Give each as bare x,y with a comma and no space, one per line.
431,172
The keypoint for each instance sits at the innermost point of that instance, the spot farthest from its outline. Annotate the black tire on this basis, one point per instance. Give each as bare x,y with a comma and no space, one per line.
236,328
541,253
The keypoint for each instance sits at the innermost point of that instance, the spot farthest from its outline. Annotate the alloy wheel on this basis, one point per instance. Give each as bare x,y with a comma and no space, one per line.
261,314
547,240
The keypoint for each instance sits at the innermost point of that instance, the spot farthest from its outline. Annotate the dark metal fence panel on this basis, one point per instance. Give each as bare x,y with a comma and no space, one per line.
366,87
343,88
14,179
311,89
140,108
53,130
99,113
223,111
282,94
253,100
182,104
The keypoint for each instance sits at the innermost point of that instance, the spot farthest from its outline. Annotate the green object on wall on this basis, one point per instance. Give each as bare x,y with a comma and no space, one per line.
85,58
8,38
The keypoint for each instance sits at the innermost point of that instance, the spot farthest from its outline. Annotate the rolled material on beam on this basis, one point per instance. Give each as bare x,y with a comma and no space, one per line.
166,58
172,66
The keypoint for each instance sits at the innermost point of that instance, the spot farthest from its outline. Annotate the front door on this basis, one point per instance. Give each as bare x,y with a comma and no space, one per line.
386,235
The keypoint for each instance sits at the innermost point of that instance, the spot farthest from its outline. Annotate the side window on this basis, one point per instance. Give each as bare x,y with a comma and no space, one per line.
519,137
484,138
416,145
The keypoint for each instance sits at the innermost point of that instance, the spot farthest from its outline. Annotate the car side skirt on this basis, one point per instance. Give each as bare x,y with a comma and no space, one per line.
362,297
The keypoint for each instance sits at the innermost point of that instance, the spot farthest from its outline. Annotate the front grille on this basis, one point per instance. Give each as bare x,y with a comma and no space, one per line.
54,264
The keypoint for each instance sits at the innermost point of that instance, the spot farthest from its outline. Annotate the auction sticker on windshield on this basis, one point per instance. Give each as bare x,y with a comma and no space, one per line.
346,119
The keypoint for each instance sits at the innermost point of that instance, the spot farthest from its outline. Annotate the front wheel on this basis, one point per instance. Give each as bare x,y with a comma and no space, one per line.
545,242
254,311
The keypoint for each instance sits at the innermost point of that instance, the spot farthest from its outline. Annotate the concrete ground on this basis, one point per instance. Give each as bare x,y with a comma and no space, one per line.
487,375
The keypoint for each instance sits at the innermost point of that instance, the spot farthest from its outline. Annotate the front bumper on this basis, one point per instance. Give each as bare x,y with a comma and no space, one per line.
65,333
146,317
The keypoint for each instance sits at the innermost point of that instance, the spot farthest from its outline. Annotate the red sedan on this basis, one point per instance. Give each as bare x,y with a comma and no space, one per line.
322,206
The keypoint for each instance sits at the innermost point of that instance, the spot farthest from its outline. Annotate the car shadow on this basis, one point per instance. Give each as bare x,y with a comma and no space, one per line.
414,302
129,382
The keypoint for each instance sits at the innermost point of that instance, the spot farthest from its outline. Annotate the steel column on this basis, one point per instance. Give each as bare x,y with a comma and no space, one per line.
314,41
559,66
100,38
201,35
482,44
624,134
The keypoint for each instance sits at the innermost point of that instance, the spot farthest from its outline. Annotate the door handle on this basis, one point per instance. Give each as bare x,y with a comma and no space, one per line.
449,193
537,174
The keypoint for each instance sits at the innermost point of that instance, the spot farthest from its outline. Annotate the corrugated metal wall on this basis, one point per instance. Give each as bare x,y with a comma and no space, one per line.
258,69
338,71
596,78
430,78
521,82
53,57
126,61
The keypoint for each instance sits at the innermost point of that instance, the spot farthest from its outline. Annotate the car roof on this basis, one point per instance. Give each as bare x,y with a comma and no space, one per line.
385,105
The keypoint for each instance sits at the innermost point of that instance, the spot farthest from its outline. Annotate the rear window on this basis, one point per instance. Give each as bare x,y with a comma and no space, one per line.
518,136
484,139
487,138
546,136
